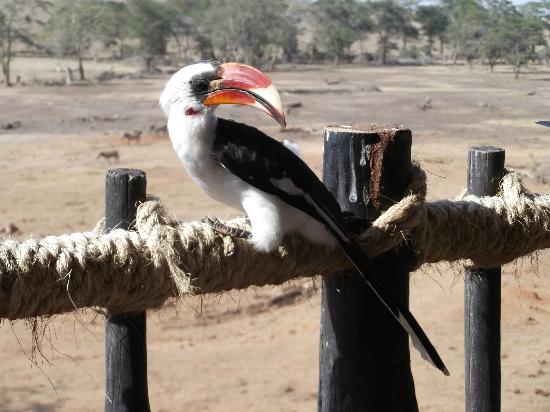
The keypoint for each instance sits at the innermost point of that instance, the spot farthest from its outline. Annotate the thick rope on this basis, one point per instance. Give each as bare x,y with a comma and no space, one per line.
128,271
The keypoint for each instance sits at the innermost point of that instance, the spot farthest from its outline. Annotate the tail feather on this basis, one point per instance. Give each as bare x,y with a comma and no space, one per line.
370,272
330,214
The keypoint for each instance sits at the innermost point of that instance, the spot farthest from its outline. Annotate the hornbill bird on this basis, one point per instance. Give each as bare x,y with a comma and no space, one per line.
239,165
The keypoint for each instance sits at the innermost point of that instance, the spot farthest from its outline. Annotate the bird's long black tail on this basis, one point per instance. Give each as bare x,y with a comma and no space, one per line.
374,278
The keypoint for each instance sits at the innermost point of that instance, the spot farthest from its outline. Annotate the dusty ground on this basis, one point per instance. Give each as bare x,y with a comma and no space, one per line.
244,352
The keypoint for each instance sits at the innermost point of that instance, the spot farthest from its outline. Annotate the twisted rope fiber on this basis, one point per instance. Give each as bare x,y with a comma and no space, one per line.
128,271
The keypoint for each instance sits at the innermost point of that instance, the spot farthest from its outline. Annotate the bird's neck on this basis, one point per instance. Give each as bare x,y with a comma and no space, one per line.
191,135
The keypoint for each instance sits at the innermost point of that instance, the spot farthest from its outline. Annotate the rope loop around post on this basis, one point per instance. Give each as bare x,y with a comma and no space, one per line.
397,223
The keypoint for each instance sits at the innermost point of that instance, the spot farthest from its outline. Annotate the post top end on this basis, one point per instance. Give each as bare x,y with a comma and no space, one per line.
485,149
131,173
364,128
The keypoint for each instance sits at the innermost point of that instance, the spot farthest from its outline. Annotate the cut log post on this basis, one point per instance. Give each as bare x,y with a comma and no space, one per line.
125,334
482,297
364,352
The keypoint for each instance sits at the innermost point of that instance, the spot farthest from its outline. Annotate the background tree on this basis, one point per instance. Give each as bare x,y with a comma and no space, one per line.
286,37
253,31
408,32
17,18
338,24
73,24
466,30
111,27
492,48
521,35
150,21
511,35
409,29
188,28
390,19
539,10
494,43
434,23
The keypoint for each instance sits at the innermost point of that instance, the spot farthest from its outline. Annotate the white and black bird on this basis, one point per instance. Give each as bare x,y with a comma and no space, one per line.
239,165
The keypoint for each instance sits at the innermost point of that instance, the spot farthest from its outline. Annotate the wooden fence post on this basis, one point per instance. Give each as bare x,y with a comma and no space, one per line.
482,297
125,334
364,352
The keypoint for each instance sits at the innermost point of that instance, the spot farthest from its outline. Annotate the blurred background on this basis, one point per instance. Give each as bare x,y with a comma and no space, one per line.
265,33
78,95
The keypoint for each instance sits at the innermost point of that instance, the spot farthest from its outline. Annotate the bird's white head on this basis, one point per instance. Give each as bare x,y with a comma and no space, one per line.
195,90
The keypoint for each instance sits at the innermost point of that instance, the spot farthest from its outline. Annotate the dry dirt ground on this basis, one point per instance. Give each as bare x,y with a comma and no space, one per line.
258,349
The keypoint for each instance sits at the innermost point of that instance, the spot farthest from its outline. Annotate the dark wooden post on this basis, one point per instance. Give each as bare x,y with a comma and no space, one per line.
125,335
364,352
482,297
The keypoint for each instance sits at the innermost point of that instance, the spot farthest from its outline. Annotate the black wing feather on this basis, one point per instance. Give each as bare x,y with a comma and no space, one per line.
256,158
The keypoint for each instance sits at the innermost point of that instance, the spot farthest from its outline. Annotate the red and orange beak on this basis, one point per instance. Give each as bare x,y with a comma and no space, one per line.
241,84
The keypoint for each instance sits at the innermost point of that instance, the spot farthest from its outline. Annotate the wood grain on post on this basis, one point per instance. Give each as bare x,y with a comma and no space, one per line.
482,297
364,352
125,334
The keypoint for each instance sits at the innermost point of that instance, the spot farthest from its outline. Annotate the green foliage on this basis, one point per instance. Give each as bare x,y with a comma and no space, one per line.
434,23
339,23
259,32
16,26
390,20
497,30
250,31
512,36
495,41
111,28
73,24
150,21
539,10
186,26
409,29
467,25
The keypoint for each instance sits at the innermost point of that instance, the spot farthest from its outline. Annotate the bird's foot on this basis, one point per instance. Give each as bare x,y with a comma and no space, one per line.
226,230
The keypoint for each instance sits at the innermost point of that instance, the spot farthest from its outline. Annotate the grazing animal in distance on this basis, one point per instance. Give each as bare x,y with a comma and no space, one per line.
134,136
10,229
158,130
109,155
427,104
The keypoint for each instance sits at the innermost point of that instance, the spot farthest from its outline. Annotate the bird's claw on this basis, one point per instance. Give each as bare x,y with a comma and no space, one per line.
226,230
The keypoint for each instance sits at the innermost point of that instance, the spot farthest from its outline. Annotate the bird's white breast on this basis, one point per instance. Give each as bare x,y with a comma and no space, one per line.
192,139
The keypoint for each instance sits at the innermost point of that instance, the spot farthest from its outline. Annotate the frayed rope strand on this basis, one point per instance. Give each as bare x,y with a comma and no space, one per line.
128,271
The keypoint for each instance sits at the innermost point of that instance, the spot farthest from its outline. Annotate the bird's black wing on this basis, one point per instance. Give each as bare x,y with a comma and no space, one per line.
269,166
